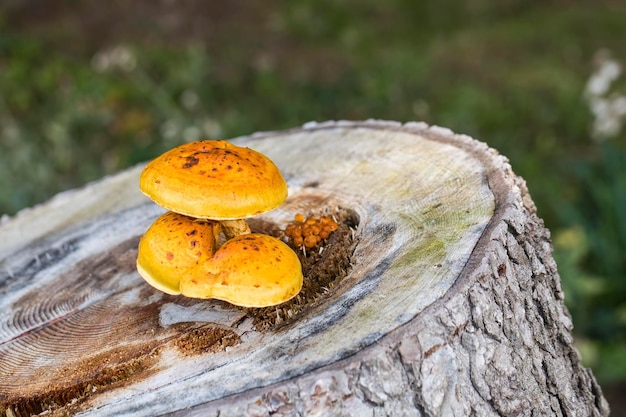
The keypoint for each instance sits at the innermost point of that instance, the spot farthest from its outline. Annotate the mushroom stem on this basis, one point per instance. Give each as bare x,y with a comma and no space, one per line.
232,228
216,230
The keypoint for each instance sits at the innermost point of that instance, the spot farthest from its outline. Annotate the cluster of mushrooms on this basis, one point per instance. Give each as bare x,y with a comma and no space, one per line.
308,232
209,188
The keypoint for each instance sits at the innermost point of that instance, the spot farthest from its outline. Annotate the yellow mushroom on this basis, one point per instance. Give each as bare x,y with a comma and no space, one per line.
214,179
223,184
252,270
172,246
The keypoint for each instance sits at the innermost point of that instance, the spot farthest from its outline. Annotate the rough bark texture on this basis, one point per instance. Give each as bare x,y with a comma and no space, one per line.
493,339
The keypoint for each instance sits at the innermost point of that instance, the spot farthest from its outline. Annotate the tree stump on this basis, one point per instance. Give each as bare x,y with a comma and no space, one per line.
437,296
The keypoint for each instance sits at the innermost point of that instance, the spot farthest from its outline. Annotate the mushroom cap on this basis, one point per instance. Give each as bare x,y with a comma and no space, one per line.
253,270
173,245
214,179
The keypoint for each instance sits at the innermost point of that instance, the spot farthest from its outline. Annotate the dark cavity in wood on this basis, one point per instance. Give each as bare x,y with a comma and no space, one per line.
323,267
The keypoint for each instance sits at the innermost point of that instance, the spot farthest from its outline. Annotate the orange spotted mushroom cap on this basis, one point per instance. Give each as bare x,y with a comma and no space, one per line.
252,270
214,179
173,245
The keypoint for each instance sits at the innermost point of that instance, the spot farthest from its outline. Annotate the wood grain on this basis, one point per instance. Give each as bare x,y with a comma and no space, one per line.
81,332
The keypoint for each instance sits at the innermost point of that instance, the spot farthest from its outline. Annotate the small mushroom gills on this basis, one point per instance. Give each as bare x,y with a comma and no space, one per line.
172,247
214,179
252,270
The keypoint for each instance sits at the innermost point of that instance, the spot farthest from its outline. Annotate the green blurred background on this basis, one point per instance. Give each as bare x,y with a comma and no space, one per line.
88,88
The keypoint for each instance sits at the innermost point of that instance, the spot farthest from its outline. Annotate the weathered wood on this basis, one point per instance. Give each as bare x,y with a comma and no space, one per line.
452,304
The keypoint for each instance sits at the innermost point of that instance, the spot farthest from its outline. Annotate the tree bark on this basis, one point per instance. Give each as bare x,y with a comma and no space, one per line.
450,303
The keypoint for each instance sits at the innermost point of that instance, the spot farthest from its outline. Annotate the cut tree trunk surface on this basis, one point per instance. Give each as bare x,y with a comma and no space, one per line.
437,296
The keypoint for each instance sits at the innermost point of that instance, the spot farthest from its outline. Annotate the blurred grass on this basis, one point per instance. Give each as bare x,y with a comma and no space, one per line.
82,100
